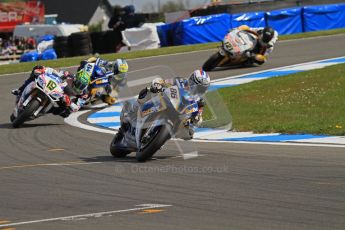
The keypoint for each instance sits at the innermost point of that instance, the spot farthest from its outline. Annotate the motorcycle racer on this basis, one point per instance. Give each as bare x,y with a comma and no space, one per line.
265,45
196,86
65,106
115,71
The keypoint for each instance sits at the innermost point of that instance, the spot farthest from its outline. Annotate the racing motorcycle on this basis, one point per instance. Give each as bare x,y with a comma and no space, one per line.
38,98
98,87
232,51
148,126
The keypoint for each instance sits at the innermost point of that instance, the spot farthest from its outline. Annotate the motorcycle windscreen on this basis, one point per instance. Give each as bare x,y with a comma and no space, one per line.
139,79
216,116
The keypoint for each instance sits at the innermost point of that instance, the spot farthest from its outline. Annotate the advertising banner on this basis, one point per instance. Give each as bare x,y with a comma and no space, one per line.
15,13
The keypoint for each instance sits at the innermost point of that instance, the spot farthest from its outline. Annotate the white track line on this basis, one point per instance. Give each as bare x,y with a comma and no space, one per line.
96,214
272,143
275,69
73,121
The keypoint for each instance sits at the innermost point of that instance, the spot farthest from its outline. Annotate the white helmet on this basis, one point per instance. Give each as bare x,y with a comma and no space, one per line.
157,85
198,82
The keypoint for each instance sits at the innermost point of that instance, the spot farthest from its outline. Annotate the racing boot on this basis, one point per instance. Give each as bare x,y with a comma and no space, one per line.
188,131
15,92
12,117
109,100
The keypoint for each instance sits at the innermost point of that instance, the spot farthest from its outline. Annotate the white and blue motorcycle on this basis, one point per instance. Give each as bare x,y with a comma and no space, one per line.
150,125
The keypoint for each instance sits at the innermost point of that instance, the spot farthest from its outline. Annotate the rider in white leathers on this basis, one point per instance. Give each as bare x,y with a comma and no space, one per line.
264,47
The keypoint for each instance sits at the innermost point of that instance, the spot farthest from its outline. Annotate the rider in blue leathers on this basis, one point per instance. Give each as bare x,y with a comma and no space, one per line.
115,71
195,86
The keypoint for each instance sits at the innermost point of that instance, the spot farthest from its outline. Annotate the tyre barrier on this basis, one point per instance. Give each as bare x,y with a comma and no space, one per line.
98,43
85,43
80,44
61,46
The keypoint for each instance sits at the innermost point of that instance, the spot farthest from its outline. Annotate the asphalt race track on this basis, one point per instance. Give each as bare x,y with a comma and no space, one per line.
50,170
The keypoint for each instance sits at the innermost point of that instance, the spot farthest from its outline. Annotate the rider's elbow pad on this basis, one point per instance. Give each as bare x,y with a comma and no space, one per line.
143,93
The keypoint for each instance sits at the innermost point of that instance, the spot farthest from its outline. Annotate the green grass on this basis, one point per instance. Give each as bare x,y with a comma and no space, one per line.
308,102
65,62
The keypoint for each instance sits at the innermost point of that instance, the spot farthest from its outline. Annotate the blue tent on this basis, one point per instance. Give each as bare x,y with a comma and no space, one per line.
251,19
203,29
29,56
286,21
48,54
324,17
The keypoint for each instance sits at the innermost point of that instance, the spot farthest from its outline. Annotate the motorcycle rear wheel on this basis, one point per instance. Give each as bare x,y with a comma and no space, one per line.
156,143
212,62
26,113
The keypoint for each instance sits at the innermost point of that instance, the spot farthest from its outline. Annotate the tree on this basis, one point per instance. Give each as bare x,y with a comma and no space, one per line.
173,6
149,7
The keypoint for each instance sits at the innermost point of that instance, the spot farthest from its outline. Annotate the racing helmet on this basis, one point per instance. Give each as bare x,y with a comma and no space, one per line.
81,81
157,85
267,34
198,82
120,69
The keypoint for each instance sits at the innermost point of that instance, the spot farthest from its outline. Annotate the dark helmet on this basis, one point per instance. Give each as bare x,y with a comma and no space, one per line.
267,34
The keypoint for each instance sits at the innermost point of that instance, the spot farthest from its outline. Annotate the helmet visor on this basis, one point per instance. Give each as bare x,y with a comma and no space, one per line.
79,86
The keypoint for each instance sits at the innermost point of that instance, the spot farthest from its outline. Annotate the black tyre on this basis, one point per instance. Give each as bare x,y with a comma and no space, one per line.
80,35
79,44
98,42
115,150
26,113
212,62
156,143
61,46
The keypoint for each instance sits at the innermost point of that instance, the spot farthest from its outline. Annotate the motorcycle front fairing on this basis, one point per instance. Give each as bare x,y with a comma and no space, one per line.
47,88
235,44
149,116
169,107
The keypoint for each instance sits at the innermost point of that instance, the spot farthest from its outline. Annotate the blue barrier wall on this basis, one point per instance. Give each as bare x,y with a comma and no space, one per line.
252,19
324,17
212,28
288,21
203,29
164,33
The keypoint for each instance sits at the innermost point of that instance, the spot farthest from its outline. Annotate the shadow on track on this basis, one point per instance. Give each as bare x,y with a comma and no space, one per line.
24,126
127,159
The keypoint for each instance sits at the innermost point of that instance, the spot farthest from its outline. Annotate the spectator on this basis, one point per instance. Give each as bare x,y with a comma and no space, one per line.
131,19
11,46
116,21
30,43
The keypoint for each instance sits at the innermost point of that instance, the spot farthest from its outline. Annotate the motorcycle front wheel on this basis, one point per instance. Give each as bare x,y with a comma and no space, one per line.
115,150
26,113
212,62
156,142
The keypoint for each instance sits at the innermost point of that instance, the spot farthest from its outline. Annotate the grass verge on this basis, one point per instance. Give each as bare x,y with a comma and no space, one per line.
310,102
65,62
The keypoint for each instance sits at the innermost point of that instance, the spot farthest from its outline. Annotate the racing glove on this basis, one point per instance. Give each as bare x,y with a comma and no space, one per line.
249,54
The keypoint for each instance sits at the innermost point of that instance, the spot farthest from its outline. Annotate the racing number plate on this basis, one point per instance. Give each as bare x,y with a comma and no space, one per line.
51,85
228,45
